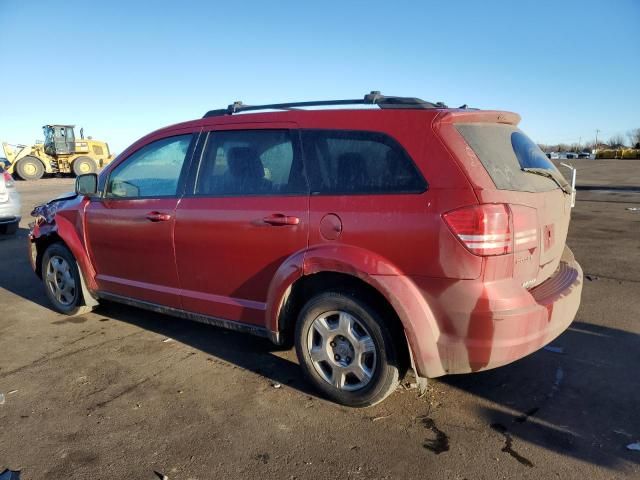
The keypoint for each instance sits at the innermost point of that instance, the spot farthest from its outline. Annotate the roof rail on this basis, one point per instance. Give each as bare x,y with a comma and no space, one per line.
373,98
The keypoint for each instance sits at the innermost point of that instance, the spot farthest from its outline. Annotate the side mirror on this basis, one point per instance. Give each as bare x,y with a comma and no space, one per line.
87,184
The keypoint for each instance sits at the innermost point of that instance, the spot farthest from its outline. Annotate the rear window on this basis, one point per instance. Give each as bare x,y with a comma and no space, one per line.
505,151
346,162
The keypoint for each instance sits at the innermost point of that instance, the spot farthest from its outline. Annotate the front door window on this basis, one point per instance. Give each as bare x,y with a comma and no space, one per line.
151,172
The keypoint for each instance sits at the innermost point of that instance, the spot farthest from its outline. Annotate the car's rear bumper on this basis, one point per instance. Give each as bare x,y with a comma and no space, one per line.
9,214
10,209
496,337
469,325
9,220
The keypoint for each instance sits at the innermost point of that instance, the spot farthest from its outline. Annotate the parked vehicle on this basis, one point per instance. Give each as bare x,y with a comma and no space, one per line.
9,204
376,240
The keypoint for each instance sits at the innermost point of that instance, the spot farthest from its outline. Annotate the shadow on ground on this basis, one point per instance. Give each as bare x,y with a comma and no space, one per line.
16,275
246,351
580,403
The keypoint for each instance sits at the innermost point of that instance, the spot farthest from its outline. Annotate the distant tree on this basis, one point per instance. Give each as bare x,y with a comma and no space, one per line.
616,141
634,137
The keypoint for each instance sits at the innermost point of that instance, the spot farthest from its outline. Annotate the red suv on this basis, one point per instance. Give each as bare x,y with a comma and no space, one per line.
375,239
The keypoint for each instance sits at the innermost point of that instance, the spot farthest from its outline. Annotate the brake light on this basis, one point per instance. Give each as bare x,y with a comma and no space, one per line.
484,229
494,228
8,179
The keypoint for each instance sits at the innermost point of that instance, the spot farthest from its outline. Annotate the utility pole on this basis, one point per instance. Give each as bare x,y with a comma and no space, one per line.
596,145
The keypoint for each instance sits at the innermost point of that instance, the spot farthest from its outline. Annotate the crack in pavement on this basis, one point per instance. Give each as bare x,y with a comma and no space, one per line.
597,276
508,445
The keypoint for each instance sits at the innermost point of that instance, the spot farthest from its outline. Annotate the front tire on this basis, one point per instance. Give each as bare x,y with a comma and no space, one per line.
62,282
30,168
82,165
346,350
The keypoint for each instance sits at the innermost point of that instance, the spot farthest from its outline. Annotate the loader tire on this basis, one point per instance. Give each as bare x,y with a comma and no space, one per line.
30,168
82,165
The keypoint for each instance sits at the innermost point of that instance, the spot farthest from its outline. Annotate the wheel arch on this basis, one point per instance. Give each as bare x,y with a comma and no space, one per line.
394,294
308,286
63,231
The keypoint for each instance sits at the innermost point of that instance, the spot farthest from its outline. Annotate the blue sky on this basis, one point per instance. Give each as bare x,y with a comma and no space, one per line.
121,69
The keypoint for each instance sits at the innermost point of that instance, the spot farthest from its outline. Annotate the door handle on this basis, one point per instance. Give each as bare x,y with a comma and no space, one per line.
158,217
280,219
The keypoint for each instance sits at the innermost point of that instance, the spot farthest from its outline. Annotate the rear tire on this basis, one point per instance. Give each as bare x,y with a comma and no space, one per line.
346,350
62,282
30,168
82,165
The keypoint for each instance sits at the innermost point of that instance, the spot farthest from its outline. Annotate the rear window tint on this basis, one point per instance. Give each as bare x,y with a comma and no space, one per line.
344,162
504,150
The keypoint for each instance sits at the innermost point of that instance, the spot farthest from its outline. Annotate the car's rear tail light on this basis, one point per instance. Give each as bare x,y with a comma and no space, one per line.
8,179
484,229
494,228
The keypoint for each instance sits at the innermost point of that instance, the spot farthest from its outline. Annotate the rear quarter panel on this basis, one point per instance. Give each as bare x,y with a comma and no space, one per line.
405,229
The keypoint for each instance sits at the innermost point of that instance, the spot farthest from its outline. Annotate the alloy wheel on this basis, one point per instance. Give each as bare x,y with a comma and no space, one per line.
342,350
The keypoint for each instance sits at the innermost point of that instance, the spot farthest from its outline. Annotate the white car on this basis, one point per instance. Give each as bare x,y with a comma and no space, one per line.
9,203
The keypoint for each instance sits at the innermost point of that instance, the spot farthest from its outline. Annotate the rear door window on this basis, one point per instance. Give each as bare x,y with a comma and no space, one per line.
250,162
505,151
344,162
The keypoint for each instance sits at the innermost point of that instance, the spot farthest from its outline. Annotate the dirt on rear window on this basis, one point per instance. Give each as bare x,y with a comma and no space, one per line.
505,150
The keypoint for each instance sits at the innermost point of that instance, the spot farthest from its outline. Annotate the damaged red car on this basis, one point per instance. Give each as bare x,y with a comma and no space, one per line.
402,235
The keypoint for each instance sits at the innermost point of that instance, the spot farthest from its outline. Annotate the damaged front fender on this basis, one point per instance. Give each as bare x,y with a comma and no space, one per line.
62,219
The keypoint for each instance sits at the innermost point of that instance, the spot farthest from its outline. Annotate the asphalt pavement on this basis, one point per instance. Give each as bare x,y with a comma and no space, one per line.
123,393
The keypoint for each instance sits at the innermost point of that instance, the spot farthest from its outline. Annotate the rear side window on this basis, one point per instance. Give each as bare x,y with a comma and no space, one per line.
357,162
250,162
505,151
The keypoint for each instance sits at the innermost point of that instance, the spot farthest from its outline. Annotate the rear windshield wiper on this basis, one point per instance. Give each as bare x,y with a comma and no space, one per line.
549,174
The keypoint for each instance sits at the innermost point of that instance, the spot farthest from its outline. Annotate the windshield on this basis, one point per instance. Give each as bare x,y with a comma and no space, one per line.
48,135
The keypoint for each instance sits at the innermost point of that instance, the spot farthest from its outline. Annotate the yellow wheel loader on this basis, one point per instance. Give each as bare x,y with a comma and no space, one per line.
60,153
